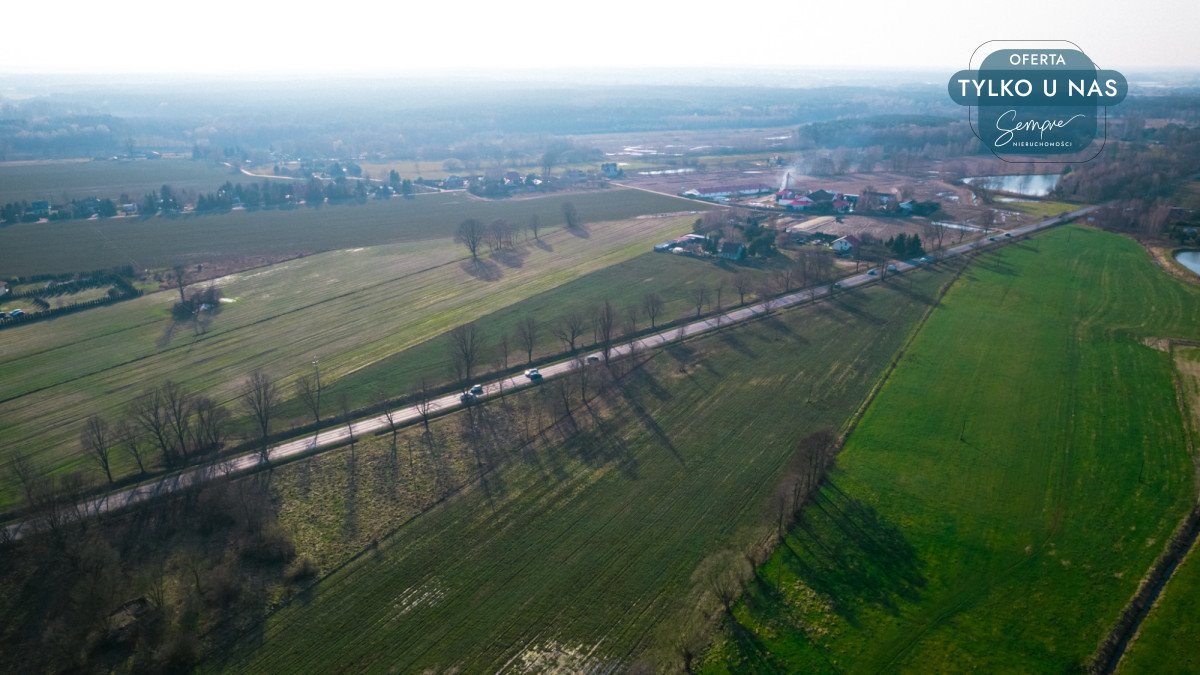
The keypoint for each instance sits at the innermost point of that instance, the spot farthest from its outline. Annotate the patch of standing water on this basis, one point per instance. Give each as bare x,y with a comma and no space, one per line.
1190,260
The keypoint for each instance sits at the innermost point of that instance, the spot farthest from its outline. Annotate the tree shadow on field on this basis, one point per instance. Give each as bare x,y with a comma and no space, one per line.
996,265
484,270
733,340
631,392
849,305
848,552
580,231
511,257
543,245
168,333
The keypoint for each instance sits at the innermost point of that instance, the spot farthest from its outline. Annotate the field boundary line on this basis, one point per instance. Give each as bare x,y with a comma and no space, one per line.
1125,631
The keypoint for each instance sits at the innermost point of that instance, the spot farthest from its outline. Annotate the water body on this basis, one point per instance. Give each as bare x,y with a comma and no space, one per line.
1025,185
1190,260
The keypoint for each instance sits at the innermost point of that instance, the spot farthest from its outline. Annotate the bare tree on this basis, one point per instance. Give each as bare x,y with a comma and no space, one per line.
571,216
466,343
129,437
150,414
310,396
470,233
211,426
388,413
497,235
177,405
569,328
259,400
424,401
347,417
502,351
606,327
527,335
534,225
767,294
652,307
22,467
987,219
97,441
718,291
699,295
179,277
743,283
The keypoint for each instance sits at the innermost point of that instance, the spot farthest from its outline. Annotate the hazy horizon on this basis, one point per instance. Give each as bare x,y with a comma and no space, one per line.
231,40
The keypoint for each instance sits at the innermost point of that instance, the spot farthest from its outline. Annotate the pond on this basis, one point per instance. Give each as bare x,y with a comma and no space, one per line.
1025,185
1190,260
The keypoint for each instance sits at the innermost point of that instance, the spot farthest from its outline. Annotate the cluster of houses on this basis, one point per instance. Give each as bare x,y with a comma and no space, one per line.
700,246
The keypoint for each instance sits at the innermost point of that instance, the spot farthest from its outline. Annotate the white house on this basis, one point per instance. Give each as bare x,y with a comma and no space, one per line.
845,244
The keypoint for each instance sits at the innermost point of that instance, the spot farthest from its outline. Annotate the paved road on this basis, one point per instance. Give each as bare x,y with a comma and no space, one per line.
403,416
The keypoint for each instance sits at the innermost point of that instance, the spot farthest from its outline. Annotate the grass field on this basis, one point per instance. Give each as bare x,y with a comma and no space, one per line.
1003,495
1167,640
347,308
53,179
1168,636
1041,209
159,241
584,553
624,284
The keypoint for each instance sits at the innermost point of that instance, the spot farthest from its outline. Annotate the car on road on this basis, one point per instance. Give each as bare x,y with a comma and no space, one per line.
872,272
466,397
593,359
533,374
892,268
477,389
1008,234
991,239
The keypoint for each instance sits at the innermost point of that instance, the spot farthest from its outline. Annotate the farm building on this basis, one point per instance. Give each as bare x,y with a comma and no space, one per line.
727,191
845,244
3,287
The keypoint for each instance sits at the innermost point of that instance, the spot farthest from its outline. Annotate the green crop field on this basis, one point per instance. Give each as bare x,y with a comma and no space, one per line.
348,308
1166,641
584,553
69,246
1041,209
77,179
671,277
1008,488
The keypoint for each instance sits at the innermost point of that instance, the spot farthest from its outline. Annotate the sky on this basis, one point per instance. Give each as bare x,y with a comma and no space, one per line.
248,38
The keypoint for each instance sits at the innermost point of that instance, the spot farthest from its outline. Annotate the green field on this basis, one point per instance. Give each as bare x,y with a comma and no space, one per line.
1166,641
585,552
68,246
52,180
347,308
1041,209
1007,490
624,284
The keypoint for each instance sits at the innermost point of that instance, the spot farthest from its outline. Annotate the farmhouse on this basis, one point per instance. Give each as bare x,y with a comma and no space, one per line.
3,287
845,244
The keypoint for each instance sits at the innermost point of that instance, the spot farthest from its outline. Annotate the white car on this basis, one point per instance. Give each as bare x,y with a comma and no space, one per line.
533,374
477,389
